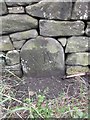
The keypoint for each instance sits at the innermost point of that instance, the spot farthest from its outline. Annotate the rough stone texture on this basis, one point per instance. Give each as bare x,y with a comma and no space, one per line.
16,10
12,57
24,35
2,63
18,44
81,10
88,29
3,8
76,69
51,10
42,57
78,59
5,44
77,44
15,69
61,28
22,21
20,2
62,41
2,58
15,23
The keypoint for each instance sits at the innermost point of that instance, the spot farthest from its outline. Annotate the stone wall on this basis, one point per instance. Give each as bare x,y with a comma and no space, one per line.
40,38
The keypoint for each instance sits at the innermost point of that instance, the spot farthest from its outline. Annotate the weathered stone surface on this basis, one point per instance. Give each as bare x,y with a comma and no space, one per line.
3,8
20,2
18,44
62,41
5,44
15,23
76,69
81,10
61,28
77,44
51,10
24,35
78,59
2,63
15,69
88,29
42,57
16,9
12,57
20,37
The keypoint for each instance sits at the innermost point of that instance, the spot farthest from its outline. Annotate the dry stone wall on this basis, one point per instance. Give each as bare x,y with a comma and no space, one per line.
40,38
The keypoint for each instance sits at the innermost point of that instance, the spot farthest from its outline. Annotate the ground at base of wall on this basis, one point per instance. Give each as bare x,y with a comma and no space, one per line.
52,88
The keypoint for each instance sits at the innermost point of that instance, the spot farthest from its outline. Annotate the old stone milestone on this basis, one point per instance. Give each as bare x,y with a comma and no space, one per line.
44,38
42,57
44,51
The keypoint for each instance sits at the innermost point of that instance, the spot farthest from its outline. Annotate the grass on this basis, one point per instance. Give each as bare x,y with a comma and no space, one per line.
65,106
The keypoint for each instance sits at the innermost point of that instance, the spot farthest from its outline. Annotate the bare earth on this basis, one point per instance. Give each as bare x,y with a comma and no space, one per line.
51,87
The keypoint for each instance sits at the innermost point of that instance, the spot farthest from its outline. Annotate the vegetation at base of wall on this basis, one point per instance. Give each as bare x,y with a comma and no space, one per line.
38,106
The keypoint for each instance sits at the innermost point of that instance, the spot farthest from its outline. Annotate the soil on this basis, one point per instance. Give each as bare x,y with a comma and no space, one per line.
50,87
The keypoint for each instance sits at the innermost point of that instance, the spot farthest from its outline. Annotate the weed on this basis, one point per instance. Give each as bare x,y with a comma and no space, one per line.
64,106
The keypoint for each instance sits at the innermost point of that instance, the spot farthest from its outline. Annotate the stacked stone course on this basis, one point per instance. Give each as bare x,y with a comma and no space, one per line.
41,38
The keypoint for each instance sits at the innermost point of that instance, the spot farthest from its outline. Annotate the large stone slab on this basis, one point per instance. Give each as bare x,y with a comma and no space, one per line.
81,10
51,10
61,28
42,57
3,8
20,2
15,23
88,29
24,35
78,59
76,69
77,44
5,44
